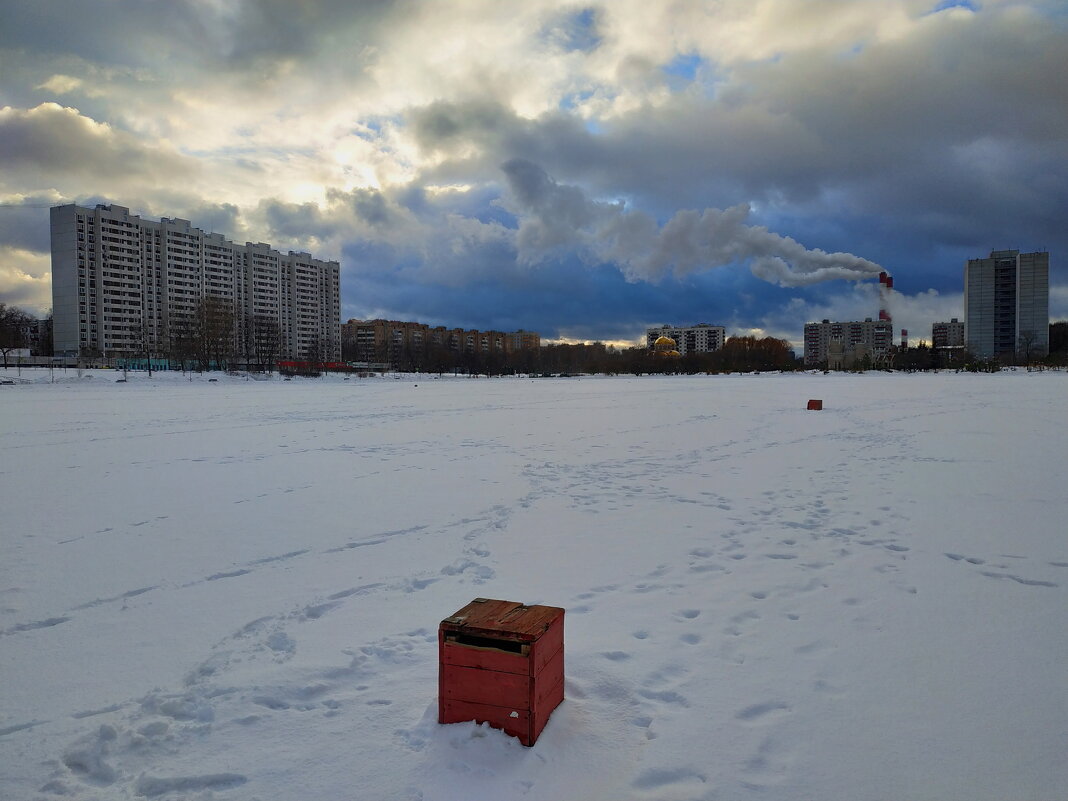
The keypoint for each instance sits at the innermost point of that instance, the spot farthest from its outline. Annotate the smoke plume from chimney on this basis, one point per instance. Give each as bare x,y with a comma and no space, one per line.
553,216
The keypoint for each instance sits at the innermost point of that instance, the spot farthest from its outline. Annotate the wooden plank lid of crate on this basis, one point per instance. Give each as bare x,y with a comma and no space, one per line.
503,619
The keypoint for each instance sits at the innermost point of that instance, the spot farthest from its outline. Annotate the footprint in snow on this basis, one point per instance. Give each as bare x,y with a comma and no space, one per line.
1018,579
659,780
762,711
769,764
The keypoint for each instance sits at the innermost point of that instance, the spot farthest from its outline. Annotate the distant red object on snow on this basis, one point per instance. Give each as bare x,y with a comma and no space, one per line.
502,663
815,405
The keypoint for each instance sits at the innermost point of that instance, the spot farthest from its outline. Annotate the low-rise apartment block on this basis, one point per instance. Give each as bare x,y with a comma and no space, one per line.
947,335
872,337
700,338
393,341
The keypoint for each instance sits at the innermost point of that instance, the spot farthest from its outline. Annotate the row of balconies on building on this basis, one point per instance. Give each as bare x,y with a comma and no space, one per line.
699,338
205,263
380,339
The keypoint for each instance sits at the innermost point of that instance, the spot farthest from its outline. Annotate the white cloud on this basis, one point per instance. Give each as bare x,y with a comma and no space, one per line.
61,84
52,146
26,279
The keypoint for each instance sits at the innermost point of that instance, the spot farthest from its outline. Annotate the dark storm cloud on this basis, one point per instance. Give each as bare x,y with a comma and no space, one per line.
430,242
977,135
371,206
360,212
296,220
448,128
474,136
554,215
562,298
270,29
437,271
25,225
93,32
188,33
223,218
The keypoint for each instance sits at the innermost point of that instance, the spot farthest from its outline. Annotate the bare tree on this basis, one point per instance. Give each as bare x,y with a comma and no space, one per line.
44,340
1026,346
330,347
13,325
142,332
181,340
246,340
266,341
315,352
215,329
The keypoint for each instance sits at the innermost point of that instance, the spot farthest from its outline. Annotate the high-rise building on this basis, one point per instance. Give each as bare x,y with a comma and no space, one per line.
1006,303
126,286
700,338
873,337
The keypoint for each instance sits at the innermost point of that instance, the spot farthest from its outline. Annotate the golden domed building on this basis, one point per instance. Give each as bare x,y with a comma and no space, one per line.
666,348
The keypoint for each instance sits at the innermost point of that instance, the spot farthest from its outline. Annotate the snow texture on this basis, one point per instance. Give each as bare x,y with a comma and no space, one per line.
231,589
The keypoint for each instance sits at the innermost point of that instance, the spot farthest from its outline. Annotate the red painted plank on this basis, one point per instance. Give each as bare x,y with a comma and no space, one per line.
546,646
542,713
485,686
486,659
549,700
515,722
505,618
542,686
441,676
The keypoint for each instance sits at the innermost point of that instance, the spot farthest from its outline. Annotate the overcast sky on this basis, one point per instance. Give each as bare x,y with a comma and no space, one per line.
582,170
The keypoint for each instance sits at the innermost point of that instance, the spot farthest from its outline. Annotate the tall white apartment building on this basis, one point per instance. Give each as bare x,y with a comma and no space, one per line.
1006,303
875,336
700,338
120,282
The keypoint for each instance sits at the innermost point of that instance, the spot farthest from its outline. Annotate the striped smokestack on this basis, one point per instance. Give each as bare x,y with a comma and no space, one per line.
886,283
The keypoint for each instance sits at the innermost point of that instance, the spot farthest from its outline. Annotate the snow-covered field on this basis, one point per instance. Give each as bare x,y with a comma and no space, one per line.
231,589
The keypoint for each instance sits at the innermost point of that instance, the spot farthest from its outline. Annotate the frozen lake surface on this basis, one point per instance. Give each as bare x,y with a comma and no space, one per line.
231,589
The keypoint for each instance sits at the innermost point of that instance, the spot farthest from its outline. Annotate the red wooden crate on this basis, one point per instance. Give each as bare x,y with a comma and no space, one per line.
815,405
502,663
